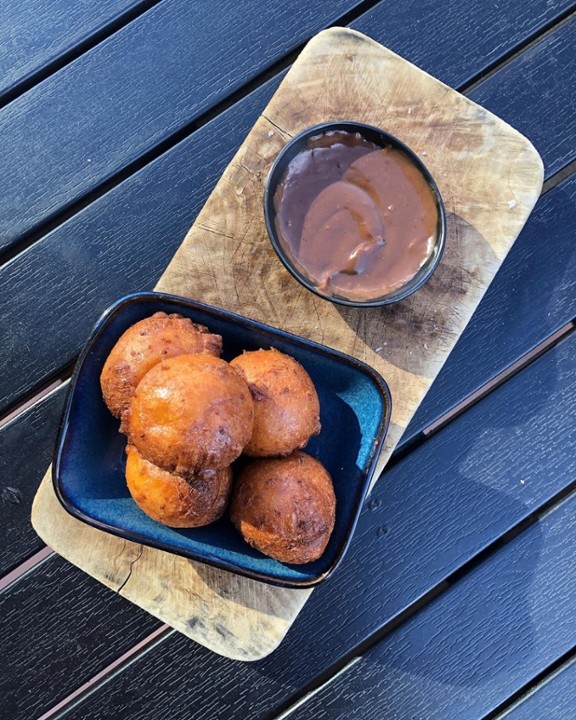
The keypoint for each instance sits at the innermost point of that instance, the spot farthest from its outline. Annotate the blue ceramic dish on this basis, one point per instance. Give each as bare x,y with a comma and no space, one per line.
88,470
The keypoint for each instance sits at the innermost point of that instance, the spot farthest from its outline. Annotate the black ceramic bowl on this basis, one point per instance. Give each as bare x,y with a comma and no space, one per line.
89,463
381,139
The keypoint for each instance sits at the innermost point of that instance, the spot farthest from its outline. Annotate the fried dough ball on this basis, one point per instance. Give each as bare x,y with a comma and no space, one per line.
173,500
285,507
286,406
190,412
143,345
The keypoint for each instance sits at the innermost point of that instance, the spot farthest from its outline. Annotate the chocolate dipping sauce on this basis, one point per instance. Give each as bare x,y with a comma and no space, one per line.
357,220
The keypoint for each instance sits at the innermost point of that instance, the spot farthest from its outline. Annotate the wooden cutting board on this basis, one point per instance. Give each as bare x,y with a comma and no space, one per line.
489,175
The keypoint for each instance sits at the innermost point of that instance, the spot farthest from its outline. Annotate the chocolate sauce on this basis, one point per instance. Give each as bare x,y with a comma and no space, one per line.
358,220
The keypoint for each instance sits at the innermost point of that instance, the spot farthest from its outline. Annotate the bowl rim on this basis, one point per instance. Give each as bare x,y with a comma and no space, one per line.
425,271
359,498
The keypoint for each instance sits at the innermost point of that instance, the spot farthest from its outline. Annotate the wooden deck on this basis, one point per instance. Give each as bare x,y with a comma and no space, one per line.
457,597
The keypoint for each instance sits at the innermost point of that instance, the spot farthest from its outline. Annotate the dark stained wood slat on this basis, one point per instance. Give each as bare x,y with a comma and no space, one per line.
553,699
120,99
537,274
430,514
36,34
380,526
485,33
102,245
532,296
516,88
533,276
59,628
25,453
479,643
119,244
201,656
382,543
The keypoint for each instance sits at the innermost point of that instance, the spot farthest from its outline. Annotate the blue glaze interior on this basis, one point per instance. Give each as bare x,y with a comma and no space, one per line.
89,463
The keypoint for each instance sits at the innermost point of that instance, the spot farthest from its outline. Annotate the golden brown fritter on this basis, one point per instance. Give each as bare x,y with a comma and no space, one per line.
173,500
285,507
286,406
189,413
143,345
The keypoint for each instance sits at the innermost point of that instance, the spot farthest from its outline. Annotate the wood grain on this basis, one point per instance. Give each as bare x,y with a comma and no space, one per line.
461,37
555,138
60,628
26,446
490,177
35,35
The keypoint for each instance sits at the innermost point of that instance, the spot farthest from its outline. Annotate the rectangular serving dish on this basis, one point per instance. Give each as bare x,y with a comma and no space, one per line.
88,468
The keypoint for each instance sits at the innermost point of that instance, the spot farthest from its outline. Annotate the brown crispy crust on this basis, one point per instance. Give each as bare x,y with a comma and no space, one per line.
286,405
145,344
285,507
190,412
174,500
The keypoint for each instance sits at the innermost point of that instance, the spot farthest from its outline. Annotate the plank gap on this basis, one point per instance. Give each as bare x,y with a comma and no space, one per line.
38,393
37,397
507,707
520,364
110,671
305,698
559,177
405,449
26,567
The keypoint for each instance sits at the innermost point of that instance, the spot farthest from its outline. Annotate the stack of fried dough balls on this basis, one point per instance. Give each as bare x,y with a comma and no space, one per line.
284,503
189,415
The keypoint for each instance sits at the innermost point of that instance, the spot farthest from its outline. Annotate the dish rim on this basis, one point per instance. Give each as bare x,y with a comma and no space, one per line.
376,443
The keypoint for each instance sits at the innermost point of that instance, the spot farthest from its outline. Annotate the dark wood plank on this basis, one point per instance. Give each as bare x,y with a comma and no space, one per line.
532,296
553,699
59,628
479,643
35,35
143,107
509,98
145,82
398,522
118,244
485,32
282,686
159,203
537,275
427,516
25,452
